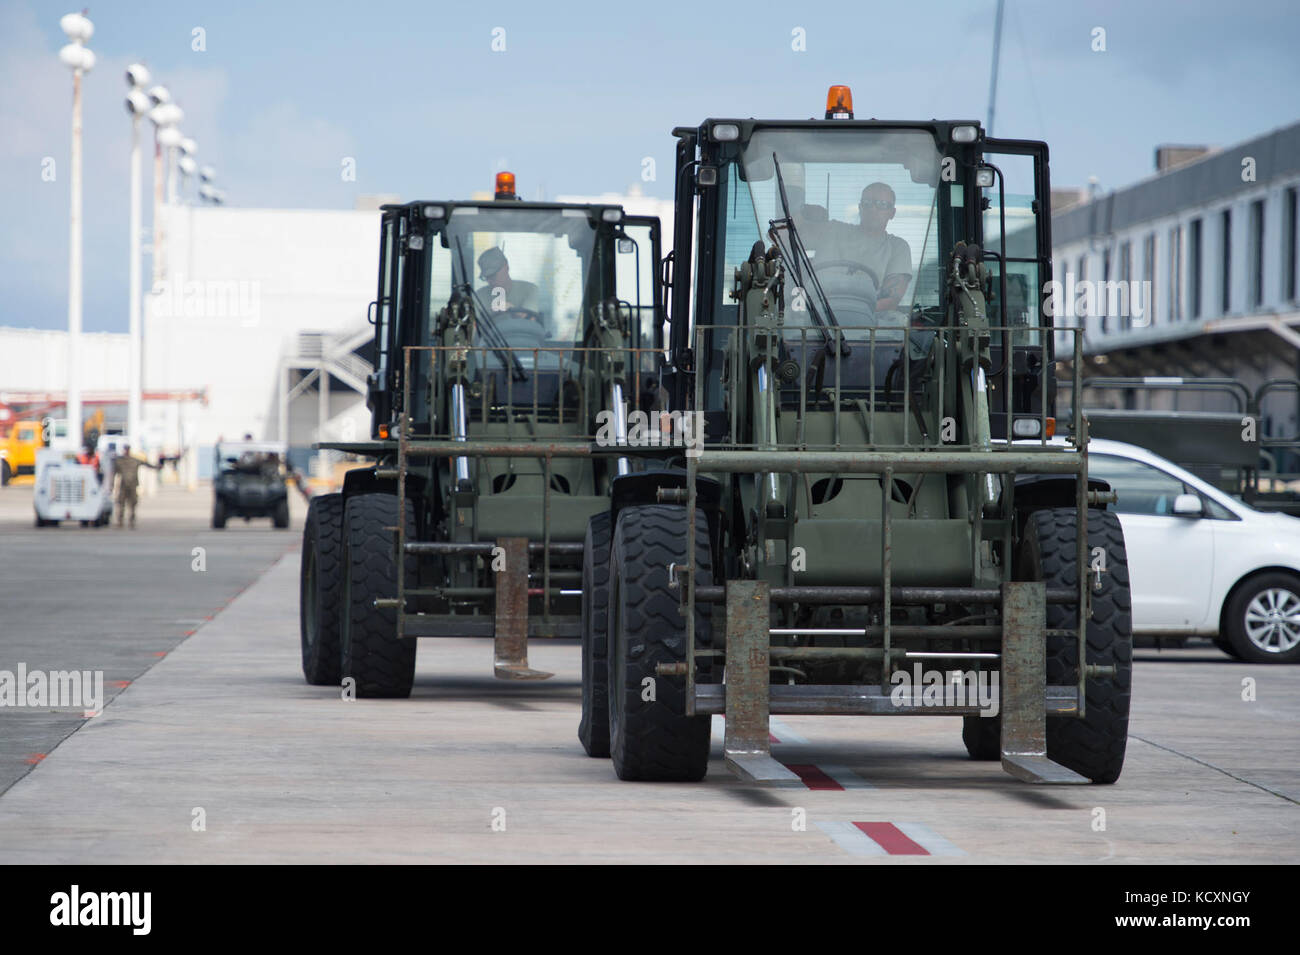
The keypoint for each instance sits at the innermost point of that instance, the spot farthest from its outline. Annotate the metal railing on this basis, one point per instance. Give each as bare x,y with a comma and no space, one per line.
824,369
503,386
977,455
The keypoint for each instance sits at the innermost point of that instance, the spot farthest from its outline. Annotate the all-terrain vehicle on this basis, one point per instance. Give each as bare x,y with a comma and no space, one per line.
250,482
876,522
510,338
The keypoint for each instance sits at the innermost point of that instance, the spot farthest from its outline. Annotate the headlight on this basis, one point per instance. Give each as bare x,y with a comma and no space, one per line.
1033,427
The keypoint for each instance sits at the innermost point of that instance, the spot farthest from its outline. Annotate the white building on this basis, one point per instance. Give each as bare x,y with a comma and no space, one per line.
251,302
34,360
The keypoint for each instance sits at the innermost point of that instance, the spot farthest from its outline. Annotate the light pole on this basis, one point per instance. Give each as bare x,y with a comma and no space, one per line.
77,57
171,137
165,113
138,104
186,163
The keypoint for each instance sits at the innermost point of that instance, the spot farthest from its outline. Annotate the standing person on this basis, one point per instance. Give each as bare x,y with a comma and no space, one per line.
126,473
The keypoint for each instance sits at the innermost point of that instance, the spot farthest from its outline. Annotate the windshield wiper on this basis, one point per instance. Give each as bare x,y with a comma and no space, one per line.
487,327
797,256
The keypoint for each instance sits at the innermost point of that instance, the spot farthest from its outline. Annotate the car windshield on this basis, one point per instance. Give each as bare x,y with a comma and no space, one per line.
863,204
527,269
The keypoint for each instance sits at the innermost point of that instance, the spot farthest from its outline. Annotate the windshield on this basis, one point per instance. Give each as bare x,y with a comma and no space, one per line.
863,207
526,268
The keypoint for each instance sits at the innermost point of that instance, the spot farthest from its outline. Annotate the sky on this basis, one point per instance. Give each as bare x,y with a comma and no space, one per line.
280,95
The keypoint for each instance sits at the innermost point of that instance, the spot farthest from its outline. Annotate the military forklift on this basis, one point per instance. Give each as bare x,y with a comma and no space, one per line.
513,339
878,520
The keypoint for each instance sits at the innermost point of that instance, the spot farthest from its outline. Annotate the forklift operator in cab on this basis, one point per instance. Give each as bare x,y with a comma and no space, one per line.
503,293
886,258
512,303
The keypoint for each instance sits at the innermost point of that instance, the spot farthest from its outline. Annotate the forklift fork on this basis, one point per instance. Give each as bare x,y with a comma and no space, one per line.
1024,686
511,639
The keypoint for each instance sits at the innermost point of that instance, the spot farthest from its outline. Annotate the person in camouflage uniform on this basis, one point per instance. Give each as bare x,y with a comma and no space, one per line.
126,473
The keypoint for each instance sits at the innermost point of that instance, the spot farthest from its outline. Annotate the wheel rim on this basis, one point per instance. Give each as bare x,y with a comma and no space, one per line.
1273,620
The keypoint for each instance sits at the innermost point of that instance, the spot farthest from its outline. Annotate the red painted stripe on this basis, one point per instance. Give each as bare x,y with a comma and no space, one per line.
772,739
160,653
120,684
34,758
890,838
814,778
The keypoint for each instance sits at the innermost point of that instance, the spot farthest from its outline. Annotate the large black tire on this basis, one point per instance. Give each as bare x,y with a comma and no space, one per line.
4,472
320,592
1093,746
218,514
280,516
593,728
982,736
653,739
381,665
1268,604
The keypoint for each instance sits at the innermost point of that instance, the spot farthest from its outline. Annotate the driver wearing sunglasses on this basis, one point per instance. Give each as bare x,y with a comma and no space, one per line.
886,258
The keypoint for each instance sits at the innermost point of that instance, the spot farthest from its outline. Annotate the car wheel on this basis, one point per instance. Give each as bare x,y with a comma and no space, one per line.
280,517
1224,644
1263,619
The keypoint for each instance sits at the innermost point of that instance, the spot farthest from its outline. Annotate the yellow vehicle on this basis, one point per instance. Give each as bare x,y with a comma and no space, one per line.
18,461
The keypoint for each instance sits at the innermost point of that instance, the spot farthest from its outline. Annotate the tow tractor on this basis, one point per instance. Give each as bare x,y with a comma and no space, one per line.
68,490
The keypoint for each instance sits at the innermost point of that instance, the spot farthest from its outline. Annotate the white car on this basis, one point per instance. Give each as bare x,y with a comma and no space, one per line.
1202,563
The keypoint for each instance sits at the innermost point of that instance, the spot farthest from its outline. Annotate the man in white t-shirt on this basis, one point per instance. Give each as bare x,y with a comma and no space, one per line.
886,258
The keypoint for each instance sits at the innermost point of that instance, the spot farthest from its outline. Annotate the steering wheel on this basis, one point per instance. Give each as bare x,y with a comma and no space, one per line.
853,299
525,313
842,264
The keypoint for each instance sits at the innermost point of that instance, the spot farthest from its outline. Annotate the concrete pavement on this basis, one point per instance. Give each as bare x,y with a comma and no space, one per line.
221,753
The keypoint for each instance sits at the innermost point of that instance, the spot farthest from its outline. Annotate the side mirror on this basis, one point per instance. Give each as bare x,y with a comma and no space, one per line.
1188,505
